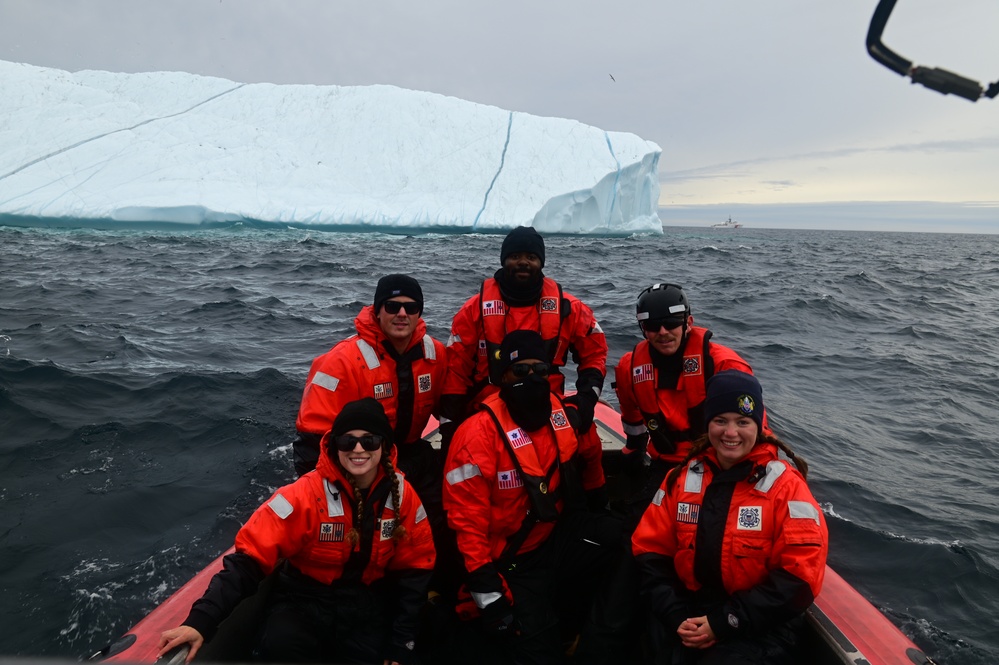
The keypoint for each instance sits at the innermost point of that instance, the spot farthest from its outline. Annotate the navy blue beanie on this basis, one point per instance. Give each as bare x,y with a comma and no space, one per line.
523,239
391,286
733,391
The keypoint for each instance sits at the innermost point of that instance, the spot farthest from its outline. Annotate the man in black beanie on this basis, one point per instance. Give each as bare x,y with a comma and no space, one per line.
393,360
520,297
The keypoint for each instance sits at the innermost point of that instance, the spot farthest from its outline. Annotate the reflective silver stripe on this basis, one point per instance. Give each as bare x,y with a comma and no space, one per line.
803,510
596,328
694,477
429,350
462,473
658,498
774,471
676,309
633,430
281,506
326,381
453,339
421,514
369,353
334,504
483,599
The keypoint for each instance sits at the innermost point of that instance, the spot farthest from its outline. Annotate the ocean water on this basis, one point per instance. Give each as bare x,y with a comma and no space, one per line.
149,382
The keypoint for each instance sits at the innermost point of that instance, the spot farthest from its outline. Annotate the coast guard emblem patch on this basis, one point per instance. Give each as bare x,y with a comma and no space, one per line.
549,305
688,512
750,518
692,365
423,383
383,390
388,527
508,480
331,532
518,438
559,421
493,308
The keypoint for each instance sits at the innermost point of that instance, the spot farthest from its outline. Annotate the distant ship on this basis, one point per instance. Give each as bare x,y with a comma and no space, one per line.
727,225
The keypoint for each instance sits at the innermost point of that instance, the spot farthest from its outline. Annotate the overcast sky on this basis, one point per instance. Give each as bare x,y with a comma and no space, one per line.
755,104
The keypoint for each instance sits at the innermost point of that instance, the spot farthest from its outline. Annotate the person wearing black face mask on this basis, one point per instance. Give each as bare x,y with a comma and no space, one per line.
515,502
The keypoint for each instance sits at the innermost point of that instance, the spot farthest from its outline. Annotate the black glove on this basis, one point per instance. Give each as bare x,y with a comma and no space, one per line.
596,499
633,454
498,619
579,410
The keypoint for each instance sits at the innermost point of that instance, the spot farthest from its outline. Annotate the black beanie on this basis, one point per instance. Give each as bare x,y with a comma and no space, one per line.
521,345
523,239
391,286
733,391
366,414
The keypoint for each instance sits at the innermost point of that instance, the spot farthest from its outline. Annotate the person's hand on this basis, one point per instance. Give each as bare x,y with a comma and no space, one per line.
633,454
177,637
696,633
498,619
583,404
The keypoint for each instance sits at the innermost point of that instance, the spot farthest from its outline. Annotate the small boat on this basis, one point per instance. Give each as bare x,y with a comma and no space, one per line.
727,224
844,628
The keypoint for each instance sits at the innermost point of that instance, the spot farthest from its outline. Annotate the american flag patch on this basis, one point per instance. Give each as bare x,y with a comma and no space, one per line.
518,438
383,390
331,532
482,348
493,308
687,512
643,373
509,480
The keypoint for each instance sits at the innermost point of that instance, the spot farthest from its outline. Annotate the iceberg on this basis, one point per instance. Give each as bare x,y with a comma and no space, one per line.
101,148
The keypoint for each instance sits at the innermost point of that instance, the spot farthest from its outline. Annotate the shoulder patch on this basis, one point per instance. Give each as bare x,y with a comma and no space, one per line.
281,506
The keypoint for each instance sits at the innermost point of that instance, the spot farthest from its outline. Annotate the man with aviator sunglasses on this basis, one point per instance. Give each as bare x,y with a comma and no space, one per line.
660,384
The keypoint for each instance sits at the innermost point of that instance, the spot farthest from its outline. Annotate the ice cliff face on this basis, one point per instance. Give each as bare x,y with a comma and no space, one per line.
180,148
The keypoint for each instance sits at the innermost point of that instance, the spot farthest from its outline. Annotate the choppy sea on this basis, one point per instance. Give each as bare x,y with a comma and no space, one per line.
149,382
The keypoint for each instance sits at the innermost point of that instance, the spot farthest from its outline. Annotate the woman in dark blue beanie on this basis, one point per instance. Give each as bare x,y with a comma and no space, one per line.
733,547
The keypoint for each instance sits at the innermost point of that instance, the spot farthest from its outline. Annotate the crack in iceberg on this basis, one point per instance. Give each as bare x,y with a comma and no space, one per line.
485,199
115,131
617,181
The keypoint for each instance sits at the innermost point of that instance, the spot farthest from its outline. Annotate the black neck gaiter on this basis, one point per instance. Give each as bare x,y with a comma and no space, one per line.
519,295
528,401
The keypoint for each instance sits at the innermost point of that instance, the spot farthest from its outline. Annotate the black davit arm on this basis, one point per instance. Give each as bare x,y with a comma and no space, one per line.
934,78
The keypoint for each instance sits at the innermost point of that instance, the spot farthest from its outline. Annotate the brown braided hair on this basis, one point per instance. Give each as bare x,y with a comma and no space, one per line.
702,444
398,530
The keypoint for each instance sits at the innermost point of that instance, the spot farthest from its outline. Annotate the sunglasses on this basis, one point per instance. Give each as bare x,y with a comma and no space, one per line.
653,325
521,370
393,307
370,442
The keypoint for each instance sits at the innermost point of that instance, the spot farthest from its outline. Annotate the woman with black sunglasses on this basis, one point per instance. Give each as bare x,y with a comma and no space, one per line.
351,549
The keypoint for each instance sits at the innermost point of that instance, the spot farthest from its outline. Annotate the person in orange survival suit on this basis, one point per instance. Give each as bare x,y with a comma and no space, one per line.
660,385
520,297
732,549
348,541
514,500
395,361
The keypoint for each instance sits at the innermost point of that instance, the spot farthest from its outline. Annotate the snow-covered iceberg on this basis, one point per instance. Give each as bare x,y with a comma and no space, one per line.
171,147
